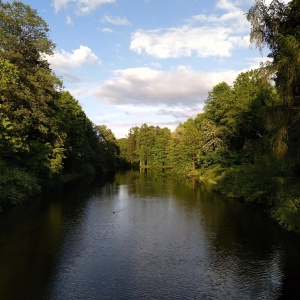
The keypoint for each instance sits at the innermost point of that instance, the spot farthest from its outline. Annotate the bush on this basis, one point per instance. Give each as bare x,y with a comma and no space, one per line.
251,183
212,175
287,210
16,185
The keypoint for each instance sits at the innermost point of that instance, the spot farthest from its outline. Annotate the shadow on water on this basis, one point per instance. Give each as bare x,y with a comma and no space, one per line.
31,235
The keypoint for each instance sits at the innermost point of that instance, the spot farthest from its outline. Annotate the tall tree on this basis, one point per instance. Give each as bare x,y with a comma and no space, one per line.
27,102
160,146
184,146
24,35
277,26
109,143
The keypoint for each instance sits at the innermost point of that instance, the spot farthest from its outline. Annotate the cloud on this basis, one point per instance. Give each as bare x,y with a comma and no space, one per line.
145,86
115,20
186,41
69,20
64,61
106,30
202,35
234,18
82,7
179,113
268,2
127,116
226,5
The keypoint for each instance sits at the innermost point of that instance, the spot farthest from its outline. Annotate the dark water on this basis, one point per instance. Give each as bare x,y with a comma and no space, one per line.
132,236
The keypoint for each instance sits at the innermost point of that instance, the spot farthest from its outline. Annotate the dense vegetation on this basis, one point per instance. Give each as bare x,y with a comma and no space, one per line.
246,142
44,132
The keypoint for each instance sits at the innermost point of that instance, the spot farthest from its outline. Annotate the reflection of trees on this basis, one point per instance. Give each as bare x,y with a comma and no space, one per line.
243,244
31,238
244,251
28,249
154,182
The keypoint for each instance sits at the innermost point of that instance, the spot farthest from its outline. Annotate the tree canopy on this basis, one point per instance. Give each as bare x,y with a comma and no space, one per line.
277,26
44,132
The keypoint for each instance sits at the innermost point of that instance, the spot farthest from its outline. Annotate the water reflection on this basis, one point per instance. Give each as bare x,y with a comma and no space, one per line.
144,236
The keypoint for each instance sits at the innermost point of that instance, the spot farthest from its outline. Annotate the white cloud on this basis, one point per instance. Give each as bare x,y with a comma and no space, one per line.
186,41
115,20
64,61
69,20
145,86
106,30
178,113
268,2
203,35
226,5
234,19
82,6
59,4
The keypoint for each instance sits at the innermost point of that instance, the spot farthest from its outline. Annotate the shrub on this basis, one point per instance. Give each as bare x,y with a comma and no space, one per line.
251,183
287,210
16,185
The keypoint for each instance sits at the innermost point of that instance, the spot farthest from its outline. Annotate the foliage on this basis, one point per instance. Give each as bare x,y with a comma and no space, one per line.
287,209
30,134
184,146
251,183
211,176
146,146
277,26
42,128
110,148
16,185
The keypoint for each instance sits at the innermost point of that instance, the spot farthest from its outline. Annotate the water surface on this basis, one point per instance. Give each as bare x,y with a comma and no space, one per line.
144,236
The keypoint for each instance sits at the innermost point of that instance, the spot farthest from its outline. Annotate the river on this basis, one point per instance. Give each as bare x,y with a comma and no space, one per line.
132,235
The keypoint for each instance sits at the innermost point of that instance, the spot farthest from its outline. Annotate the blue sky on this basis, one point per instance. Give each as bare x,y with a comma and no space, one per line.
130,62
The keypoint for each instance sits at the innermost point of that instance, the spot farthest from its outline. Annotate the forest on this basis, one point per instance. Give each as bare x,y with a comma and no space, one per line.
245,143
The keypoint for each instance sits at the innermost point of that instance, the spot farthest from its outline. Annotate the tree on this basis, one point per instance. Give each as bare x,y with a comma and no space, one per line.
28,92
218,103
129,152
144,144
109,143
23,36
184,146
160,153
277,26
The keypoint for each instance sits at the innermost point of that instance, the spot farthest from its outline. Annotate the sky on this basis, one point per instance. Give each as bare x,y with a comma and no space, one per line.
130,62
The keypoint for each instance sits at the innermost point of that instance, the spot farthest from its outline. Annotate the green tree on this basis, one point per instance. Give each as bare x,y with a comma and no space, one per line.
184,147
24,36
76,130
218,104
110,146
30,134
277,26
131,154
238,111
144,144
160,146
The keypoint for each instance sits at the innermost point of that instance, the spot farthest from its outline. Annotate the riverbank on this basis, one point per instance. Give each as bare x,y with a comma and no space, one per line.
276,193
19,185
